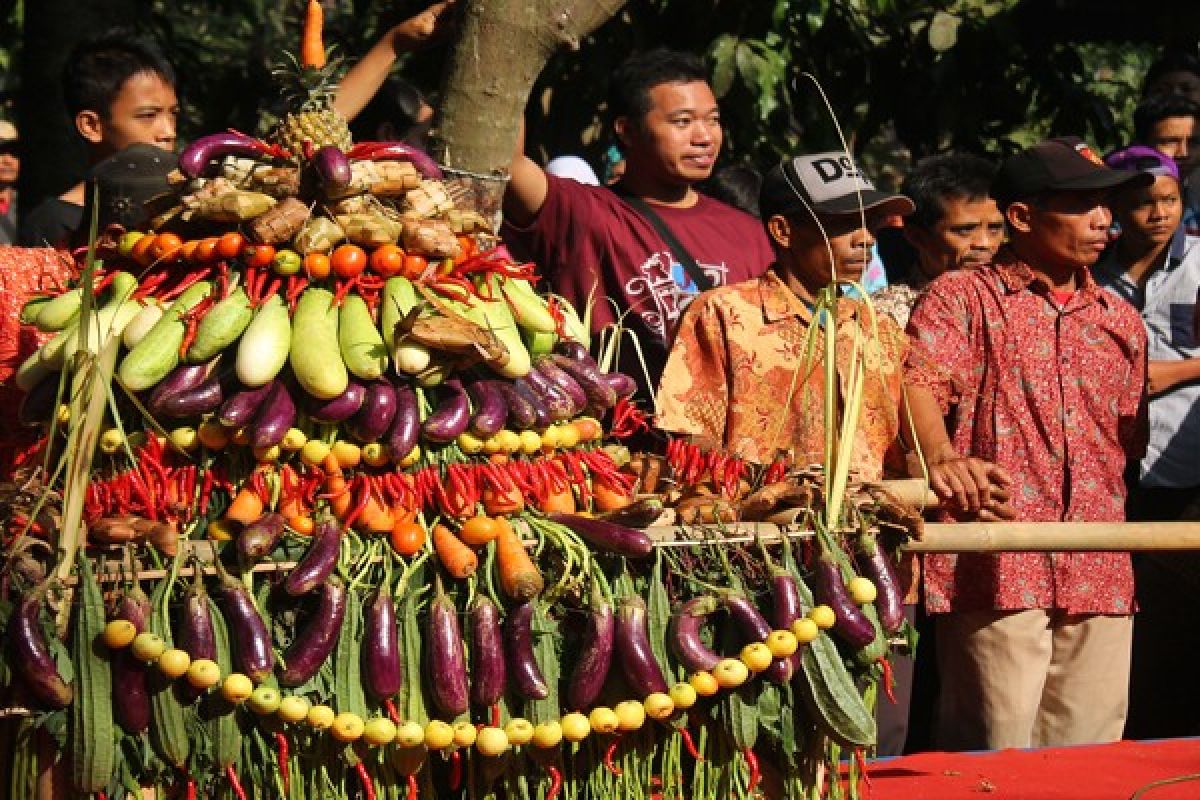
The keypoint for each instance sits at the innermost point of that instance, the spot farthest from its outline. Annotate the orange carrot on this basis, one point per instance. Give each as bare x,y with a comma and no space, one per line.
519,577
312,48
407,537
458,559
609,498
302,524
246,507
376,517
497,502
561,502
478,531
341,499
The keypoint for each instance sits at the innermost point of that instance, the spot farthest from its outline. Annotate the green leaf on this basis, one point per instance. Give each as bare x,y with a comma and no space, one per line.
348,691
722,55
658,617
545,647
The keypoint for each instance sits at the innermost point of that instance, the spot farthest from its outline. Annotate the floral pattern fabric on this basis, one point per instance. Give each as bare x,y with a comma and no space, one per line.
740,354
1054,394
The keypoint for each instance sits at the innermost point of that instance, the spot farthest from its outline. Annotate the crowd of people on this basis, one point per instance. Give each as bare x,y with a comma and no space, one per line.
1035,351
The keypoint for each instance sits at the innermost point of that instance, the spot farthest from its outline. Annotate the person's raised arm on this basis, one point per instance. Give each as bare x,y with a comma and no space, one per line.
363,80
527,186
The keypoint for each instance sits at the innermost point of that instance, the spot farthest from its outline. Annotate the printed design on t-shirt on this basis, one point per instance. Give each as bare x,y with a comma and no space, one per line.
665,283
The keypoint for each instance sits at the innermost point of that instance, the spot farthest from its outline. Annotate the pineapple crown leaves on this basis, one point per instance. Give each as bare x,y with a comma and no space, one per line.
300,82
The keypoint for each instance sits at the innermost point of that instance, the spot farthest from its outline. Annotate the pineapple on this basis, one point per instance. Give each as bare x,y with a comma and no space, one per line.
309,94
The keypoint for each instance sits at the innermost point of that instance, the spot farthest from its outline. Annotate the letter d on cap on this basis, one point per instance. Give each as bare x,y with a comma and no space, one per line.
828,169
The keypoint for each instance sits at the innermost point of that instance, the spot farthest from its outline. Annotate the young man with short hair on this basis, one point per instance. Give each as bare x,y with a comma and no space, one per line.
652,242
956,225
1170,123
1026,376
119,91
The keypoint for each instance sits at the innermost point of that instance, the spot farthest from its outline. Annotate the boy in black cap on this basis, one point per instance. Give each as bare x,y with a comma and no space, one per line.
1026,388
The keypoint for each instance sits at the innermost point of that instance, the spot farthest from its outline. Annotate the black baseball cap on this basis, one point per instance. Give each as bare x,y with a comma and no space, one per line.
1062,164
825,183
127,181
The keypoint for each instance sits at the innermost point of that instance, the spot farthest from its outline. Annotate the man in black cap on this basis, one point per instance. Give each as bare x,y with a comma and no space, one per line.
1026,388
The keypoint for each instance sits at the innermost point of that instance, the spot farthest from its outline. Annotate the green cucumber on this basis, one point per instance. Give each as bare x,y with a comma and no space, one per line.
221,327
140,325
399,298
158,352
52,354
59,312
263,350
360,341
315,357
33,306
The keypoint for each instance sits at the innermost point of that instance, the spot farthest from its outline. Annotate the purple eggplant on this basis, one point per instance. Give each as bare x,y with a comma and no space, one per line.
340,408
38,403
446,661
259,538
312,646
595,655
607,536
242,405
875,564
318,563
542,418
332,166
564,382
31,655
131,705
621,383
786,609
375,417
590,379
201,399
194,632
248,633
383,671
633,649
518,640
183,378
490,409
452,415
195,158
274,418
406,425
851,624
573,350
521,414
755,629
684,634
489,675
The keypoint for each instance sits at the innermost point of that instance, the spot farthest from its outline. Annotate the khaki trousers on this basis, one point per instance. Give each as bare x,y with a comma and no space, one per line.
1031,679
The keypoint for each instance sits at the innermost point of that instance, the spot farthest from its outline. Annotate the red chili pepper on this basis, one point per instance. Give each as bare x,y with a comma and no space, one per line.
271,289
393,714
343,289
456,771
188,280
608,756
360,505
755,773
690,744
191,789
860,758
495,715
556,782
205,491
235,783
889,683
413,791
282,743
369,788
101,796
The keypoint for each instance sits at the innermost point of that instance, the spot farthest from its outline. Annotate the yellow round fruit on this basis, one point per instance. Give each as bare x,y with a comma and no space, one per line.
111,441
631,715
684,694
575,727
267,455
347,453
236,688
374,455
705,683
264,700
551,437
861,590
805,630
491,445
347,727
531,443
314,452
469,443
174,662
731,673
547,734
782,644
603,719
464,734
438,735
510,441
148,646
321,718
379,731
221,530
519,731
568,436
413,456
658,705
203,673
410,734
491,741
293,708
294,440
119,634
756,656
213,435
823,616
127,241
184,438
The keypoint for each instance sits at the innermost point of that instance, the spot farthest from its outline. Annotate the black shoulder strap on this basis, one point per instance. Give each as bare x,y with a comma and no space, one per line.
702,281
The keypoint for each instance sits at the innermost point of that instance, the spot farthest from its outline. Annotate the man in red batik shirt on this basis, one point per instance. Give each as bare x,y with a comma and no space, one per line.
1026,384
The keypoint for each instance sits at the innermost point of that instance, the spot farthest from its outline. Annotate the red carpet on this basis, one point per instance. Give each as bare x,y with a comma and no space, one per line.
1102,772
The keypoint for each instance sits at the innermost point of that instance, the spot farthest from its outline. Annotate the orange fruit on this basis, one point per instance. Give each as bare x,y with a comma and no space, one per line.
316,266
230,245
166,247
387,260
348,261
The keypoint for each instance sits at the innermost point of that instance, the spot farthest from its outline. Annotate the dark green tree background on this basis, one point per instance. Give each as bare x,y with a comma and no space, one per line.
902,77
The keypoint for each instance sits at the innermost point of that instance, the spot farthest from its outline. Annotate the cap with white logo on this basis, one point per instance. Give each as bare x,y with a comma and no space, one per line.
825,183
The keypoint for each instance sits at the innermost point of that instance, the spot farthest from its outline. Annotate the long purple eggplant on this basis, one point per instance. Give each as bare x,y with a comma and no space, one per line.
607,536
203,398
541,412
633,649
317,564
340,408
850,623
452,415
595,655
518,640
684,634
131,698
242,405
590,379
314,643
786,608
31,655
446,661
252,651
181,379
490,410
755,628
621,383
489,674
521,413
378,411
573,350
276,415
406,425
383,671
194,632
878,567
258,539
564,382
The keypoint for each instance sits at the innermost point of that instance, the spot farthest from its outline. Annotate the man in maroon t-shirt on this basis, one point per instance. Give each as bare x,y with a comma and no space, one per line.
593,242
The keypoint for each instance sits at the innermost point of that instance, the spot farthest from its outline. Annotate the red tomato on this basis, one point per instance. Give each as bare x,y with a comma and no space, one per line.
207,251
166,247
259,255
230,245
415,266
348,260
316,266
188,253
387,260
142,251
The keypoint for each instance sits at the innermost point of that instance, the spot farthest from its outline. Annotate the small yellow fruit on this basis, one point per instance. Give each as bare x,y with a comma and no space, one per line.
413,456
575,727
491,445
823,616
509,441
438,735
293,708
531,443
321,717
119,634
491,741
236,688
631,715
469,443
705,683
347,727
731,673
111,441
464,734
374,455
684,695
805,630
756,656
519,731
782,644
203,673
148,646
220,530
551,437
313,452
547,734
603,719
264,700
861,590
294,440
379,731
410,734
658,705
347,453
568,436
267,455
174,662
184,439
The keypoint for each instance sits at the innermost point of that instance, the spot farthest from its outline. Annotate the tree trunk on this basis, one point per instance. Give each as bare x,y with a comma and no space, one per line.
502,49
